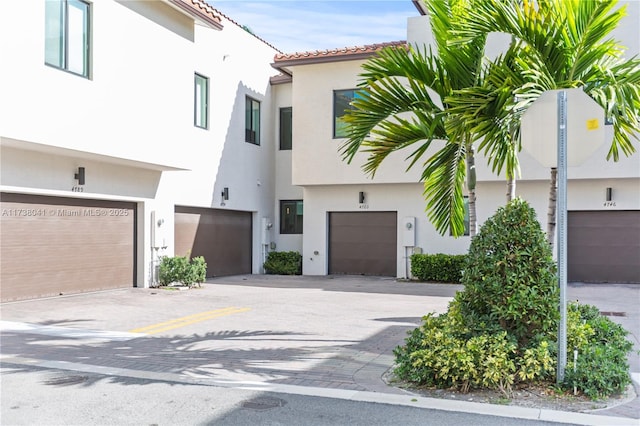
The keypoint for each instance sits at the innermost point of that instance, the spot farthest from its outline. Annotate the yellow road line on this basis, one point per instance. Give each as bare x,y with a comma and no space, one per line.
190,319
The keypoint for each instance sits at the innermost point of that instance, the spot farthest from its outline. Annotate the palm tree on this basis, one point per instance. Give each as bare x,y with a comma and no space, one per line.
404,102
559,44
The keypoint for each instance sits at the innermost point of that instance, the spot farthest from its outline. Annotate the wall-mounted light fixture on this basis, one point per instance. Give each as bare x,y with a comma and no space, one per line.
79,176
225,193
609,194
361,197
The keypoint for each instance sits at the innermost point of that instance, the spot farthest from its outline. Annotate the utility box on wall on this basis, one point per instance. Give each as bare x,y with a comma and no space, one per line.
266,230
409,231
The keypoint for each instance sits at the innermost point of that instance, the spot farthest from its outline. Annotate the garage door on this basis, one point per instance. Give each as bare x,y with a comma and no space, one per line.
223,237
363,243
603,246
51,245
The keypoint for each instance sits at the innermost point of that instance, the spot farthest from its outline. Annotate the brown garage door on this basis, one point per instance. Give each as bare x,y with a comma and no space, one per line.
51,245
603,246
363,243
223,237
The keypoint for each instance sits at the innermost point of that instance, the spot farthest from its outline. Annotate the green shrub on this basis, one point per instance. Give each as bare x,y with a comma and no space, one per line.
197,271
437,354
180,269
173,269
510,277
439,267
537,363
602,368
405,369
283,263
502,328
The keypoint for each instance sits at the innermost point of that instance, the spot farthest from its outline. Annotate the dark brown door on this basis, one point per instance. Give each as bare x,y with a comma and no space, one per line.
363,243
603,246
52,245
222,237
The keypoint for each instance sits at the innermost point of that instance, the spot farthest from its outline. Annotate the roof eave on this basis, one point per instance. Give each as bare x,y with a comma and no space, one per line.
282,78
201,16
321,59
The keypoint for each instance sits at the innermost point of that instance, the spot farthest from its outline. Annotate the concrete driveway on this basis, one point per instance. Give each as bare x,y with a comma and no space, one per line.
320,332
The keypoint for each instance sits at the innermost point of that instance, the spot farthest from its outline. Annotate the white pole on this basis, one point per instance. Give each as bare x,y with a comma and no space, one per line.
562,232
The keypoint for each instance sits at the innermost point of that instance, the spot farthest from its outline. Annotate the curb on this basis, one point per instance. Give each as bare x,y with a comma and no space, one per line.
361,396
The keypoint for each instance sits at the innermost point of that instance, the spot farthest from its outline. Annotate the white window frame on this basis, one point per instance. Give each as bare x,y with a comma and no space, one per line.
252,121
201,101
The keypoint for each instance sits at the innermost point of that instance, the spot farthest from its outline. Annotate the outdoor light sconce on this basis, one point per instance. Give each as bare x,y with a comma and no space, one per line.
361,197
79,176
225,193
609,194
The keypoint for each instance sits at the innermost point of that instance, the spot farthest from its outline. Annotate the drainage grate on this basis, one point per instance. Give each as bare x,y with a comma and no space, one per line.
66,380
263,403
614,314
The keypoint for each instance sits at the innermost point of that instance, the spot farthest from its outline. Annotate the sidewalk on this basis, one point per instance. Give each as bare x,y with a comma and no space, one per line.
304,335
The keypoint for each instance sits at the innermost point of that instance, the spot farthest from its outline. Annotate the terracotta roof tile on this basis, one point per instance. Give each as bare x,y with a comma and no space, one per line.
200,9
337,53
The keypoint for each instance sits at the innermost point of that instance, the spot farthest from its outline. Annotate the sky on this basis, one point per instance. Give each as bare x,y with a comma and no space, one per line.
307,25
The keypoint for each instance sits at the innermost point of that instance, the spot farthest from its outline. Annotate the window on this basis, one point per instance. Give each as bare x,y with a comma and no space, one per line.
252,121
341,104
67,35
201,102
291,217
466,217
285,128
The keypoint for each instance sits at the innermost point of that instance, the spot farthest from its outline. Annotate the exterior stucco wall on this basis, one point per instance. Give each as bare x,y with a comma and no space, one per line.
137,66
284,189
407,201
131,123
316,160
237,65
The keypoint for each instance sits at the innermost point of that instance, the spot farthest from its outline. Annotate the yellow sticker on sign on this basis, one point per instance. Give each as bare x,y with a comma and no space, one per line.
593,124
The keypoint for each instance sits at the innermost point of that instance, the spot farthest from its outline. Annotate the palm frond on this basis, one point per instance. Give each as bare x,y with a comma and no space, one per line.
443,178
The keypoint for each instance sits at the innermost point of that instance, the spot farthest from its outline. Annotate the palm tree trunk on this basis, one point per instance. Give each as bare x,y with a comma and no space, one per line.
473,221
551,213
511,189
471,190
511,174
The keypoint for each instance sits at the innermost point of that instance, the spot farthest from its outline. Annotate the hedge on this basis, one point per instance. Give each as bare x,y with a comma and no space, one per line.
446,268
283,263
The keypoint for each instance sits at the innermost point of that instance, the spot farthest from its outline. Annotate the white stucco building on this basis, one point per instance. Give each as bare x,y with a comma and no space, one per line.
131,130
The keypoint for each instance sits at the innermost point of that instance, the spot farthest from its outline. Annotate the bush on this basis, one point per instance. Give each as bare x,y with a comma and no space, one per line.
497,330
446,268
180,269
602,368
510,276
437,354
502,328
197,271
283,263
